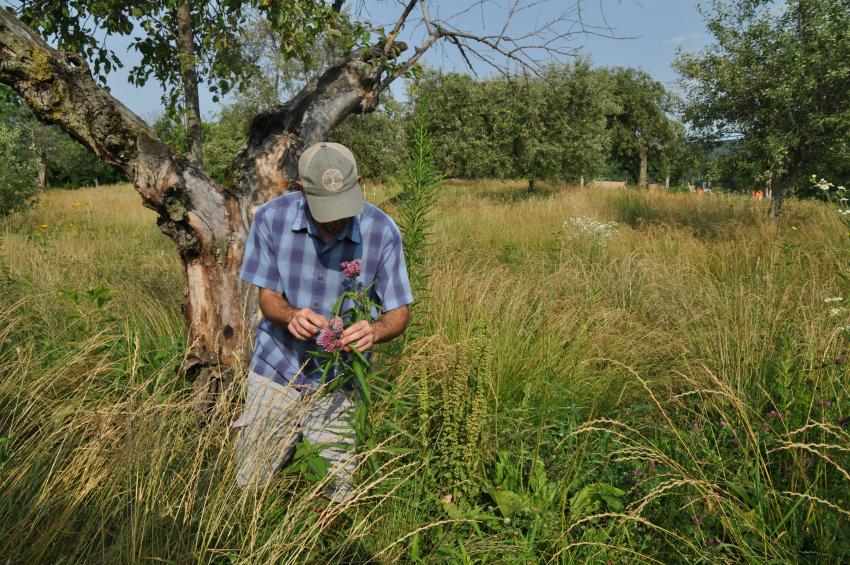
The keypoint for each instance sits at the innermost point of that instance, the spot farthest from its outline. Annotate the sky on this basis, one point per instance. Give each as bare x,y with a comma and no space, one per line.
647,35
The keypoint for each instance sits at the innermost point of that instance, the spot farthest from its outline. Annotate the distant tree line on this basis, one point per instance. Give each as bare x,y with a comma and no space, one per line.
573,123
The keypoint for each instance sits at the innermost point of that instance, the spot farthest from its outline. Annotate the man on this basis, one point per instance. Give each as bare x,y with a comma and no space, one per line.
295,248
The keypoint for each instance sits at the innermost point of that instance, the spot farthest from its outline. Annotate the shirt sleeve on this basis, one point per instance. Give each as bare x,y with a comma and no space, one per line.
392,284
259,264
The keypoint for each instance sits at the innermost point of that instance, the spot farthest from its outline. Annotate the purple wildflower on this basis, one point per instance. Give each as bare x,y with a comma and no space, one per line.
844,421
839,360
350,268
699,516
711,542
329,338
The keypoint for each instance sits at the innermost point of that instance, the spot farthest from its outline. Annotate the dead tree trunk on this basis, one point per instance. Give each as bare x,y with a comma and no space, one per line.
644,165
207,222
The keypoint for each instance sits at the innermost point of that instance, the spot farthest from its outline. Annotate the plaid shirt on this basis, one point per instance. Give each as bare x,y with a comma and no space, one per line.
285,253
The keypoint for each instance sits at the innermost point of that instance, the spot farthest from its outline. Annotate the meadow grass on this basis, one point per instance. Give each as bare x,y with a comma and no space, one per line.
675,391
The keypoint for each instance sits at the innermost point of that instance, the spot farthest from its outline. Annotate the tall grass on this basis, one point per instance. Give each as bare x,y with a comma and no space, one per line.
678,394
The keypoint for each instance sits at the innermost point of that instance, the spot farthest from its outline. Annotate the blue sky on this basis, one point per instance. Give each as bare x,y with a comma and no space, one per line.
649,32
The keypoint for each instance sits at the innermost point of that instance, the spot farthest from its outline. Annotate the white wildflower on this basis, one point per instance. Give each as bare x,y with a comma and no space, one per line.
585,227
836,311
833,299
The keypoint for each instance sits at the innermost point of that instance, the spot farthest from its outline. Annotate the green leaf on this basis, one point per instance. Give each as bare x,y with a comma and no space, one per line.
510,502
590,499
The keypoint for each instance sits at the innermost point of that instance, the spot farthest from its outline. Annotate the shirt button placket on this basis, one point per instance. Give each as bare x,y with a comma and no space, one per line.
318,289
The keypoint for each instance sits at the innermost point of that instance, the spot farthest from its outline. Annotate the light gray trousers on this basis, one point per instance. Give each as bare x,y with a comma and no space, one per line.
275,417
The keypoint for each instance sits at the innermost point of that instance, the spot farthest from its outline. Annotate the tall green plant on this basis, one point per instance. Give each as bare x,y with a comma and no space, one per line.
420,182
452,412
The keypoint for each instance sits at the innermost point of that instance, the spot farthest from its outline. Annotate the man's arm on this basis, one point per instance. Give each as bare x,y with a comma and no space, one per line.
302,323
389,326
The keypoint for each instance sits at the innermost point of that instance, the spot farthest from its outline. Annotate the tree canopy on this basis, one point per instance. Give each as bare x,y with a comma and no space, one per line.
776,78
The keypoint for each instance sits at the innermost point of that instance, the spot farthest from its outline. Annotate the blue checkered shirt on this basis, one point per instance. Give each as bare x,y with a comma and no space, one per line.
285,253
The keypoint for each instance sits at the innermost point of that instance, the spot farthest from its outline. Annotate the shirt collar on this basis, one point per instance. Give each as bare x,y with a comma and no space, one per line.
302,222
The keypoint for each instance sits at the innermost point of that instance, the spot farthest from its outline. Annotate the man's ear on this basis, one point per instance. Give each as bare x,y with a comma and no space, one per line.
359,179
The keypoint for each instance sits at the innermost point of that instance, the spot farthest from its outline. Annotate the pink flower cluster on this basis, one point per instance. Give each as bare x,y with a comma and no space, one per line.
350,268
329,338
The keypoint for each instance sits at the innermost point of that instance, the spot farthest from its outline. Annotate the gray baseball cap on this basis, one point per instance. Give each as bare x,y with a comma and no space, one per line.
328,173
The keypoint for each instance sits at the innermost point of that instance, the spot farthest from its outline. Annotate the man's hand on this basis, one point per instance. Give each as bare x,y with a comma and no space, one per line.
364,335
304,323
361,334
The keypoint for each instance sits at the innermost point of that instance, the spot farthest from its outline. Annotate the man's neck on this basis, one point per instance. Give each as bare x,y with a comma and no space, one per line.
327,235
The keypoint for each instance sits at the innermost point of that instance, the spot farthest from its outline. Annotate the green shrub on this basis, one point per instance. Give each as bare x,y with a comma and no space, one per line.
18,171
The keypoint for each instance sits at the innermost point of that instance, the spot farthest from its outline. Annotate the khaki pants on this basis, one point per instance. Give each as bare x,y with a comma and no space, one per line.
274,419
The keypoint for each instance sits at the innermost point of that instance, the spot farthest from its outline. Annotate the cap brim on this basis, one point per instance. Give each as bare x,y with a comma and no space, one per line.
330,208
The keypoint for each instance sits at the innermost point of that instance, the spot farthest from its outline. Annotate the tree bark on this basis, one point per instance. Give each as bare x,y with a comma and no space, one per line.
777,197
644,165
42,172
207,222
189,75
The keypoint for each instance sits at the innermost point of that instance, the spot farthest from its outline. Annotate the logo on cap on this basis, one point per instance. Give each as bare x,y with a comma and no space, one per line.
332,180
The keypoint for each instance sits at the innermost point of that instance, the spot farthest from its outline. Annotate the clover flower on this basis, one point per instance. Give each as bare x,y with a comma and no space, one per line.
350,268
330,338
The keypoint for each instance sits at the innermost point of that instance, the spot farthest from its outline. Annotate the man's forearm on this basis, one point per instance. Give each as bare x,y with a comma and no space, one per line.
275,307
391,324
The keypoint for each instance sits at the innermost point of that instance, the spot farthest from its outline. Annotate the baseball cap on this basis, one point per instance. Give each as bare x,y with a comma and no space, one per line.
328,173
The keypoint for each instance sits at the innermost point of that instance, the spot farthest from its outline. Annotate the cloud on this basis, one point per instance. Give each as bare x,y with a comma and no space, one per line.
680,39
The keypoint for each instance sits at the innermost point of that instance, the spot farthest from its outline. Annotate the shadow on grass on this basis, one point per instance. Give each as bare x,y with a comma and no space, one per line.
707,216
518,193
